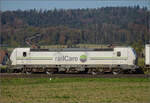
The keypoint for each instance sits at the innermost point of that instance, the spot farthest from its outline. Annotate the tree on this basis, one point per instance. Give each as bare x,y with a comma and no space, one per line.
138,46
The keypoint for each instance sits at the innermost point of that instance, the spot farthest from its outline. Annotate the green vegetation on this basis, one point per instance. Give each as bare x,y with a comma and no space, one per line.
75,90
3,66
139,47
141,61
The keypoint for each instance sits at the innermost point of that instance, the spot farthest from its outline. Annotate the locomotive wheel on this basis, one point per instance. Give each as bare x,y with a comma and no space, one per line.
28,72
115,72
49,72
93,73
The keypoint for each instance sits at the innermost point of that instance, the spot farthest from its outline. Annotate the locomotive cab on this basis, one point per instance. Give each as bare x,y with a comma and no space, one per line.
125,55
20,56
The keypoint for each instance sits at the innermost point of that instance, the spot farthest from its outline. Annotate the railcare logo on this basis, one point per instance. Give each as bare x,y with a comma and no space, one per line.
66,58
83,58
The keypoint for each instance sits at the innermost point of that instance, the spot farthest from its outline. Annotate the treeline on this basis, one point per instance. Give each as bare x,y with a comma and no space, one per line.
107,25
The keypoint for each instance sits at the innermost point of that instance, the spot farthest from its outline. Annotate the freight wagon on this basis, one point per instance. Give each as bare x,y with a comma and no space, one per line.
147,55
115,60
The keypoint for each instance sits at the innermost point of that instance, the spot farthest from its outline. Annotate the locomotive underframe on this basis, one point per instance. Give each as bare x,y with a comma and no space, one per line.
93,69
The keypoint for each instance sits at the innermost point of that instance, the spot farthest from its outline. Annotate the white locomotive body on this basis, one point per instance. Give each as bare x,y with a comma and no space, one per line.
74,58
147,54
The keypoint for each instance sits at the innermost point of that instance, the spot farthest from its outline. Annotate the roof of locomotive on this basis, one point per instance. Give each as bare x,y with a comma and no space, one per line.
72,49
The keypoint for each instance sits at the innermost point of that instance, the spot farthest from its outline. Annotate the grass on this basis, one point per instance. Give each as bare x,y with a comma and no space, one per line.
75,90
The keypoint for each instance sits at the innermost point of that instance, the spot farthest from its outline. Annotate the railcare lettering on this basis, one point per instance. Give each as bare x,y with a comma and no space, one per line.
66,58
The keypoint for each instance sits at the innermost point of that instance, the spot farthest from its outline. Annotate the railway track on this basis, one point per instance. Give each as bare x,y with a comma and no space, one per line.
20,75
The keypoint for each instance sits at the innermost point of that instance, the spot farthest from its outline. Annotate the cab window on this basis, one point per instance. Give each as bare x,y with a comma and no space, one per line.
24,54
118,53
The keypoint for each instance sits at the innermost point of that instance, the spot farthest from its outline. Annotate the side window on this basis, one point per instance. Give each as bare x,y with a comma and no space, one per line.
119,54
24,54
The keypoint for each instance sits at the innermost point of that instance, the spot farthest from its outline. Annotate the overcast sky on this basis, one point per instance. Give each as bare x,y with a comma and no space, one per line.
67,4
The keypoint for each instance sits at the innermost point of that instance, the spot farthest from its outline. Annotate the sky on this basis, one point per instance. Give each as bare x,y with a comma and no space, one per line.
68,4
